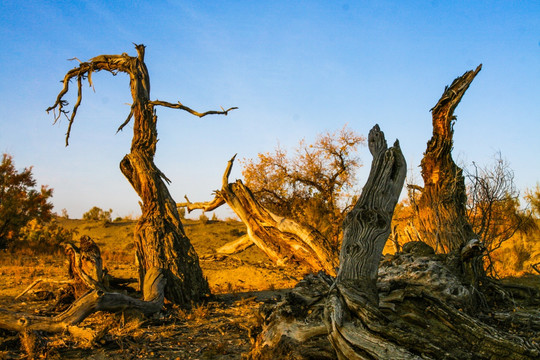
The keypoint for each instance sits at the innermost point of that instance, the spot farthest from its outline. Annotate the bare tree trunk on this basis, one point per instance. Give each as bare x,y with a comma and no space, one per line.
159,235
367,225
281,239
85,266
441,206
412,313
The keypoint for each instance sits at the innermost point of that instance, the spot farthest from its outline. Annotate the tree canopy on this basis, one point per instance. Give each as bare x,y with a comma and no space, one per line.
20,201
311,185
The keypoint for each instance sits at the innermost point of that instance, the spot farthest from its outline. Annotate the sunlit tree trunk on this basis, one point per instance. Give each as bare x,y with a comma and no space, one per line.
441,207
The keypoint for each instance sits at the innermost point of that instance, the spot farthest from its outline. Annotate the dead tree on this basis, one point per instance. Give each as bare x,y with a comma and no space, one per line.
159,235
85,266
441,207
92,301
281,239
415,311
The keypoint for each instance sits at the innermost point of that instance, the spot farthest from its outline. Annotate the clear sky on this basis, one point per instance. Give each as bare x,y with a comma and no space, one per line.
294,69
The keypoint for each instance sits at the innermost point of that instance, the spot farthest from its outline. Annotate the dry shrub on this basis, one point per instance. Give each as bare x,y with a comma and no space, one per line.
516,256
203,219
37,238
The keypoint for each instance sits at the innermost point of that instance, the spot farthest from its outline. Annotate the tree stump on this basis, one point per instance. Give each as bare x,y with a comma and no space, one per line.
417,310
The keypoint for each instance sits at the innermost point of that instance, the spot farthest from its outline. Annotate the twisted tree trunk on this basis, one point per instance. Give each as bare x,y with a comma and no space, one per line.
441,207
159,235
416,311
281,239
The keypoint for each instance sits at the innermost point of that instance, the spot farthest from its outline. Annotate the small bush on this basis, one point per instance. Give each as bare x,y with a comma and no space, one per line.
203,218
96,213
182,213
43,238
64,214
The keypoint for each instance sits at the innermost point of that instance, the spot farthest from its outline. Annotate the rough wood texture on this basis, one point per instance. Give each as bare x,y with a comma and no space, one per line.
418,309
441,206
85,266
367,225
283,240
159,235
92,301
233,247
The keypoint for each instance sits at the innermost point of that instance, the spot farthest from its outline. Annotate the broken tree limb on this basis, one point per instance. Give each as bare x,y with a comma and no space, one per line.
282,240
95,300
41,281
235,246
441,207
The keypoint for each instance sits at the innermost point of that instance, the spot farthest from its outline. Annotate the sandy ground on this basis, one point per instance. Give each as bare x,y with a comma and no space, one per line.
218,329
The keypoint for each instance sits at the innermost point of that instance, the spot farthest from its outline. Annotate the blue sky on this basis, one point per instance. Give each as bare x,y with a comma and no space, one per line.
294,69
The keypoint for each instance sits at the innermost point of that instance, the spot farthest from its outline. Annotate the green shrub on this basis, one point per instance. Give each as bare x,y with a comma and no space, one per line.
43,238
96,213
20,201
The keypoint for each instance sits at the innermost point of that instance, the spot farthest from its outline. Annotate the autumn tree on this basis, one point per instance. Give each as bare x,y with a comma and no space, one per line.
160,240
313,185
493,206
533,196
20,201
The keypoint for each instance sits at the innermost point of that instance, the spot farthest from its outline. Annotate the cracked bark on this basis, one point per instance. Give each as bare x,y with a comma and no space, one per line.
159,235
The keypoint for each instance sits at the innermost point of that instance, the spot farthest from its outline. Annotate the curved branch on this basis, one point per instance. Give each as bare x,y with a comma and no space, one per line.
227,173
204,206
111,63
189,110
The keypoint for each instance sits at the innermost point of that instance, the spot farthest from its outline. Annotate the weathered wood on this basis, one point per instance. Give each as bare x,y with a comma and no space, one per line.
85,266
367,225
95,300
281,239
235,246
159,235
441,207
418,309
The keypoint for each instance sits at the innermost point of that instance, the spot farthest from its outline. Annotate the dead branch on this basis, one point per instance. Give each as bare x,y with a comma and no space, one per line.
204,206
41,281
235,246
179,105
95,300
281,239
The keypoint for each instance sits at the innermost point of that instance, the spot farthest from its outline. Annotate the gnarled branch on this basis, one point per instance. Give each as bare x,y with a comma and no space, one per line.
179,105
